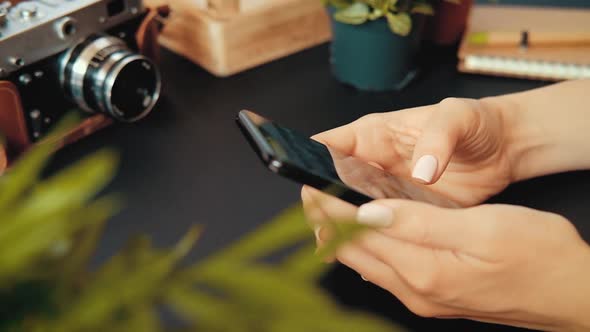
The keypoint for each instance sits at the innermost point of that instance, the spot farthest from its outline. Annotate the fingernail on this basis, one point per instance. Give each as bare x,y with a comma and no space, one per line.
374,215
316,230
425,168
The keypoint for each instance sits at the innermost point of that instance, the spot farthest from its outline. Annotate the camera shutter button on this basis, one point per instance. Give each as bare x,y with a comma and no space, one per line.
27,10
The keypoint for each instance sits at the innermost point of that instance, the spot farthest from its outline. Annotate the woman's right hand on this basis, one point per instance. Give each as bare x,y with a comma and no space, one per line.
460,147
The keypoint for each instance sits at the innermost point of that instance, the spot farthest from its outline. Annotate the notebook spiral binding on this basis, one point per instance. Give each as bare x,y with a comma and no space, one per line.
521,67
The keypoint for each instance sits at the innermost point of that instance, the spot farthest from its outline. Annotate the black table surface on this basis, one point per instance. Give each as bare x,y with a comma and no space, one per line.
188,164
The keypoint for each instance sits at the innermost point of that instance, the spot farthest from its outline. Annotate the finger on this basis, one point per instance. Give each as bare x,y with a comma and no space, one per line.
436,275
385,139
314,215
368,266
382,275
450,123
321,208
433,274
416,266
427,225
311,209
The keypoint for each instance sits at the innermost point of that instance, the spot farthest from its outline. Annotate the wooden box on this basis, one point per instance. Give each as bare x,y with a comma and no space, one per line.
229,36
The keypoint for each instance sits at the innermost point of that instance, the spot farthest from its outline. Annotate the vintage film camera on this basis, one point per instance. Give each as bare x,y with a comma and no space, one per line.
59,55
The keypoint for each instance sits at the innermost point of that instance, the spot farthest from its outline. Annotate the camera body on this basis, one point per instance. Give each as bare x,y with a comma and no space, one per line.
61,55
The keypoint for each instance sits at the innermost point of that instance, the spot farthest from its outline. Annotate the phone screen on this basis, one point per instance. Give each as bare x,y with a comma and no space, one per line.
294,155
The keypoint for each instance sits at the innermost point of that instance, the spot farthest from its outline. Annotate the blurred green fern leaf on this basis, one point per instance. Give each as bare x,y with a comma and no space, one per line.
50,227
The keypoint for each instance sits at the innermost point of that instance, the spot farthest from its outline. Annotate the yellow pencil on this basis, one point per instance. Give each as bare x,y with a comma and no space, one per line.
529,38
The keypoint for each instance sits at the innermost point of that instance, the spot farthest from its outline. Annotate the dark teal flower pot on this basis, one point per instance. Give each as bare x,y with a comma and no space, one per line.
371,57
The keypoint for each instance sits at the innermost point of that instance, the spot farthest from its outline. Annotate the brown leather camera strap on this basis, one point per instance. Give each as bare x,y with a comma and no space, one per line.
3,159
12,121
9,99
149,30
85,128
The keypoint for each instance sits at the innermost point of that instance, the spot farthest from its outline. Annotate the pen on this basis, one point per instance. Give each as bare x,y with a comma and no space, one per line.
529,38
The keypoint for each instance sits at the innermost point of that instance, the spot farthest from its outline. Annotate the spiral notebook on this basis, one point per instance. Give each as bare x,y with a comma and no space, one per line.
553,63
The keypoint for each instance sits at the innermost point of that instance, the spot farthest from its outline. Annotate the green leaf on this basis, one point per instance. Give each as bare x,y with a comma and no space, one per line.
372,3
376,14
209,312
55,199
357,13
24,301
142,317
74,264
392,5
301,306
22,252
183,247
25,172
341,234
19,254
286,229
128,280
400,24
77,183
305,264
338,4
422,8
259,285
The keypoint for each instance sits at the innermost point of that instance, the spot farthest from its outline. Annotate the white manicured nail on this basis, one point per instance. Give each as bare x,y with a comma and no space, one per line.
425,168
317,229
374,215
363,277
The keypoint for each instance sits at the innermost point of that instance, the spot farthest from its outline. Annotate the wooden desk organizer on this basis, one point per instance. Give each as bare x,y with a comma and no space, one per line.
229,36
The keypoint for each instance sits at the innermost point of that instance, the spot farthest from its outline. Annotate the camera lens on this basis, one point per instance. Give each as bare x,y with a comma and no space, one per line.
101,74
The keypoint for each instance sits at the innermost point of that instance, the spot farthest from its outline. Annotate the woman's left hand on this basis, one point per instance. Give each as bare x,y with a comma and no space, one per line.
493,263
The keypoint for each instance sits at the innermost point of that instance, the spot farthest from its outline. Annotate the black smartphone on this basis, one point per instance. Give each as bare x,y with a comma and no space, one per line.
301,159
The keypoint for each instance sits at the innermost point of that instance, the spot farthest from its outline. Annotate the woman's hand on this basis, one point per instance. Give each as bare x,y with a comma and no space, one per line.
471,149
460,145
493,263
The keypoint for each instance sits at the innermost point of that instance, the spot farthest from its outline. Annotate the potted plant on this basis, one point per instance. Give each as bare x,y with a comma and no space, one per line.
375,42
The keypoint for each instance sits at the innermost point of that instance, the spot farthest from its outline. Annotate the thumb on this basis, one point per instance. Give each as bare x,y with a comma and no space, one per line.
424,224
449,123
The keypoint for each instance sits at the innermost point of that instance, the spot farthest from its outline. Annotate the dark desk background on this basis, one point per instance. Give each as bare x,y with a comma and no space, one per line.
187,163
